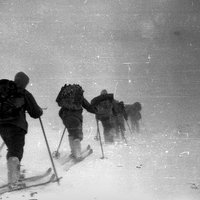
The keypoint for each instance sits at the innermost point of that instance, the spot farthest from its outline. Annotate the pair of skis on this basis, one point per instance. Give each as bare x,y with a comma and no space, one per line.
46,177
29,182
69,161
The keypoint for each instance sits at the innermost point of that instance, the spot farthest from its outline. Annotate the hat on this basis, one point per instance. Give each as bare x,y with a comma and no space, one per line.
21,79
104,92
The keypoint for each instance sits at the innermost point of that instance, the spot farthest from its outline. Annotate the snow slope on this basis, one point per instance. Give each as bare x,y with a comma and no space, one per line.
153,166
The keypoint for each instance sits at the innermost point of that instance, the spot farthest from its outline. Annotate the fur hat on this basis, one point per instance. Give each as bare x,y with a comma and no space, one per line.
104,92
21,79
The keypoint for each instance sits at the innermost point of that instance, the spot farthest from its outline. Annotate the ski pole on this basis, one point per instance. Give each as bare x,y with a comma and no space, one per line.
129,127
99,135
2,145
119,125
56,154
47,144
125,118
123,136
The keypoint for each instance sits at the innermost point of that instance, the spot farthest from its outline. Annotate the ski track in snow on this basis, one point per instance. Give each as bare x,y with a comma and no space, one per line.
152,166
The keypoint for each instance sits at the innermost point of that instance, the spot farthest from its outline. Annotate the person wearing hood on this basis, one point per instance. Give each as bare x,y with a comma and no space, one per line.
71,113
13,130
106,112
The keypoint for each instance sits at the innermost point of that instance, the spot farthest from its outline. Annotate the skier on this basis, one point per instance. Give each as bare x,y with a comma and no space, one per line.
134,115
119,119
106,113
72,101
13,124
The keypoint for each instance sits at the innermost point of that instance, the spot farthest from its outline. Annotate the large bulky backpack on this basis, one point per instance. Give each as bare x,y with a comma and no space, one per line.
104,105
70,97
105,109
11,101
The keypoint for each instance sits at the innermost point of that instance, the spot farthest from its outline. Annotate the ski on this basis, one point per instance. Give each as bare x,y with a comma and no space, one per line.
27,185
66,159
72,162
32,178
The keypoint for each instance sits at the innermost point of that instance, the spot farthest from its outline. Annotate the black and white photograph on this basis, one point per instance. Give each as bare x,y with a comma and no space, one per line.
100,99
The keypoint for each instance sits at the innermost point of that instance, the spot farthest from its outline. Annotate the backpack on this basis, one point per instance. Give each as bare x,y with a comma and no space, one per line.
104,105
70,97
11,101
104,109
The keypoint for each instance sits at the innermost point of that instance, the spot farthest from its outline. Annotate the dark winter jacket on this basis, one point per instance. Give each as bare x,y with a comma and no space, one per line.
120,109
105,105
64,112
30,106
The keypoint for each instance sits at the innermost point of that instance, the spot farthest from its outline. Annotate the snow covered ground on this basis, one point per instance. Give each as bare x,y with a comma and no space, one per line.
141,50
153,166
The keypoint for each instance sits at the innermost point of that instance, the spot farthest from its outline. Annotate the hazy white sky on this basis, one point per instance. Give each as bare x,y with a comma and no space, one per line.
136,49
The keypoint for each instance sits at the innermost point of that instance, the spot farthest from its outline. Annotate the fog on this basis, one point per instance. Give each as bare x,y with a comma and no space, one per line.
140,50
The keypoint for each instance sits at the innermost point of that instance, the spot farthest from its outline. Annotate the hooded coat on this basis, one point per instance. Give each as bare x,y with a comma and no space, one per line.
30,105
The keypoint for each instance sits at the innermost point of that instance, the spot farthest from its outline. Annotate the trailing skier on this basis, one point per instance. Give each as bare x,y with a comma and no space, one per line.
15,100
119,119
72,101
106,112
134,115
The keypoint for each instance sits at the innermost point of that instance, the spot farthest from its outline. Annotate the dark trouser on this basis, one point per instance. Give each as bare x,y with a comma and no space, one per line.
108,129
135,126
119,125
14,138
74,127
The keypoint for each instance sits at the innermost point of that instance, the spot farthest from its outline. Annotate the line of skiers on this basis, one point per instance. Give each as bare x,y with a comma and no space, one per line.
15,101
